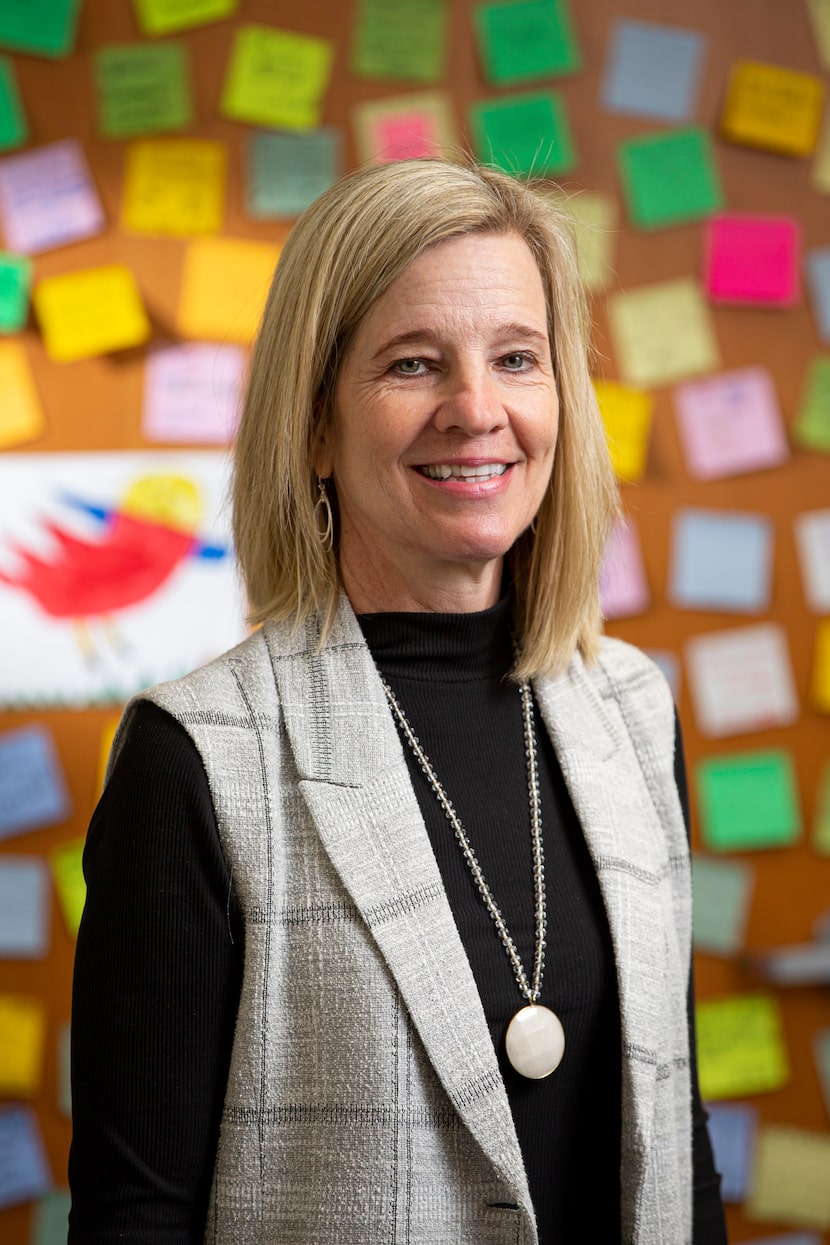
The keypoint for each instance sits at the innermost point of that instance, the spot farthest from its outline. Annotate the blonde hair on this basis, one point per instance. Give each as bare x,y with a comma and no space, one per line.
342,254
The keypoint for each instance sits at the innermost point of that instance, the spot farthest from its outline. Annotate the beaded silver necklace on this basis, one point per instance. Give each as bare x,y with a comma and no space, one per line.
534,1039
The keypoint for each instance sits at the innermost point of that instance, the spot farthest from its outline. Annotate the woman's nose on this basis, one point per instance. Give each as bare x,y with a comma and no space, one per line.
470,403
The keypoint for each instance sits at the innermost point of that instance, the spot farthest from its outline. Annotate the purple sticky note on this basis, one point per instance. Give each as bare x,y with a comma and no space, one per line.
33,793
623,585
752,259
24,1170
192,393
730,424
48,198
732,1129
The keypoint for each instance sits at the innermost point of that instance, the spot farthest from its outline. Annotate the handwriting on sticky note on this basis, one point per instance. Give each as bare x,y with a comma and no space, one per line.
791,1180
669,178
192,393
626,414
22,1039
722,890
526,41
741,680
92,312
623,585
47,198
748,800
730,424
524,134
24,1169
67,869
142,89
174,186
24,908
45,28
740,1046
21,414
753,259
164,17
224,286
33,792
287,172
772,108
404,127
276,78
652,71
383,46
662,333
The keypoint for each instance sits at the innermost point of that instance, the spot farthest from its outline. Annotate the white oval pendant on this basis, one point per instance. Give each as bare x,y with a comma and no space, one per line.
535,1041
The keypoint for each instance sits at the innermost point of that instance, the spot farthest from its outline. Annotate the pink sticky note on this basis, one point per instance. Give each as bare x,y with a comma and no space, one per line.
47,198
622,581
406,136
730,424
192,393
752,259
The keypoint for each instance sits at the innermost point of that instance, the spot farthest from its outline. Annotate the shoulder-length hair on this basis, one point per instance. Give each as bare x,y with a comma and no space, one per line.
342,254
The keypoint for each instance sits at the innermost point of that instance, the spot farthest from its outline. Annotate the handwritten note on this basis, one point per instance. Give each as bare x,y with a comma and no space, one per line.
812,426
772,108
662,333
732,1130
174,186
404,128
13,128
740,1046
722,890
525,41
623,585
24,908
669,178
821,819
652,71
33,792
192,393
142,89
21,414
15,279
224,286
287,172
92,312
524,134
40,27
47,198
384,46
817,264
50,1216
748,800
22,1041
721,560
67,869
164,17
820,679
791,1181
626,414
741,680
276,78
812,542
24,1169
730,424
594,221
753,259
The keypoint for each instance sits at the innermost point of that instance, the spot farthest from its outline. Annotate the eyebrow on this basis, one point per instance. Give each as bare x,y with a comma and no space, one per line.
506,331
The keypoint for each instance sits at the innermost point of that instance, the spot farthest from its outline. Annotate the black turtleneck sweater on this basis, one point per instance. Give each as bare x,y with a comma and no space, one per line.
144,1174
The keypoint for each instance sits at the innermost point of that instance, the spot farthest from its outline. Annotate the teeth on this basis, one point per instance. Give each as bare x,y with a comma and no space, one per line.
443,471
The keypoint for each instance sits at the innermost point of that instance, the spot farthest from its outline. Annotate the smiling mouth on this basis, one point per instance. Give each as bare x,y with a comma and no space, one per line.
458,471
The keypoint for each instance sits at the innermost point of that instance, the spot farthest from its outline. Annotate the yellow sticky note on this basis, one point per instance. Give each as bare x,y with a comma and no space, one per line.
162,17
594,219
174,186
791,1181
224,287
88,313
21,415
67,870
107,736
820,682
662,333
276,78
821,164
22,1037
626,414
819,13
740,1046
773,108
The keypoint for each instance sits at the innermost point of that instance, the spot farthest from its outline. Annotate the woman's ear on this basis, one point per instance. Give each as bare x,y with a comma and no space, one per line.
322,454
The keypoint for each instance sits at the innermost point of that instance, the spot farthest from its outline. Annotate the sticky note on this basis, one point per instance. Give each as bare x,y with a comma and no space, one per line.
165,17
721,890
384,46
623,586
812,426
791,1180
91,312
748,800
741,680
13,128
406,127
224,286
740,1046
594,221
33,791
817,264
21,414
662,333
22,1040
669,664
773,108
626,414
752,259
24,1169
669,178
284,173
720,560
732,1130
820,678
652,71
788,1238
812,542
821,820
40,27
47,198
174,186
525,40
730,424
142,88
67,869
192,393
50,1215
104,749
524,134
820,174
819,14
276,78
15,280
821,1048
24,908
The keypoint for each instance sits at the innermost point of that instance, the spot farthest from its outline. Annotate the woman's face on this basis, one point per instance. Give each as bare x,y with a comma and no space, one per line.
444,428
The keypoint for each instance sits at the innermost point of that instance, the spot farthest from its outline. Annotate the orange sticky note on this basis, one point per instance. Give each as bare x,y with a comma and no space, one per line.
92,312
820,682
772,108
174,186
21,415
22,1037
626,414
224,287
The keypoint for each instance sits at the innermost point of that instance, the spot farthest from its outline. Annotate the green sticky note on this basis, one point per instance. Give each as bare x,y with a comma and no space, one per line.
15,282
812,427
142,89
748,800
522,42
50,1218
13,128
287,172
41,27
721,891
524,134
276,78
405,40
669,178
163,17
740,1048
821,821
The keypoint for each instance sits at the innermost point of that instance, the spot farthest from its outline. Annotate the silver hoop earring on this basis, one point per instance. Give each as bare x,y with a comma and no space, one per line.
323,505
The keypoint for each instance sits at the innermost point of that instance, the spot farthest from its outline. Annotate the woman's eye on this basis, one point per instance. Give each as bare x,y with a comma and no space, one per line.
408,367
515,362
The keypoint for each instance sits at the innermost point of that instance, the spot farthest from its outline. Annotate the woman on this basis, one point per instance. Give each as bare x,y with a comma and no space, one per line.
307,1008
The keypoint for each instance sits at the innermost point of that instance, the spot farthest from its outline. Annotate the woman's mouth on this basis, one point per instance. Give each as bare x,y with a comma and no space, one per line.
460,471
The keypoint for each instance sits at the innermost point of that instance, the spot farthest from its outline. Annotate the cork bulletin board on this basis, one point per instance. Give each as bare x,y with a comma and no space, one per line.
689,140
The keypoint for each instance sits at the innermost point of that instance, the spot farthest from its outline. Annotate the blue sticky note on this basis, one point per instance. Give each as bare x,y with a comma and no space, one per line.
732,1129
721,560
652,71
818,281
33,793
24,907
287,172
24,1170
50,1219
